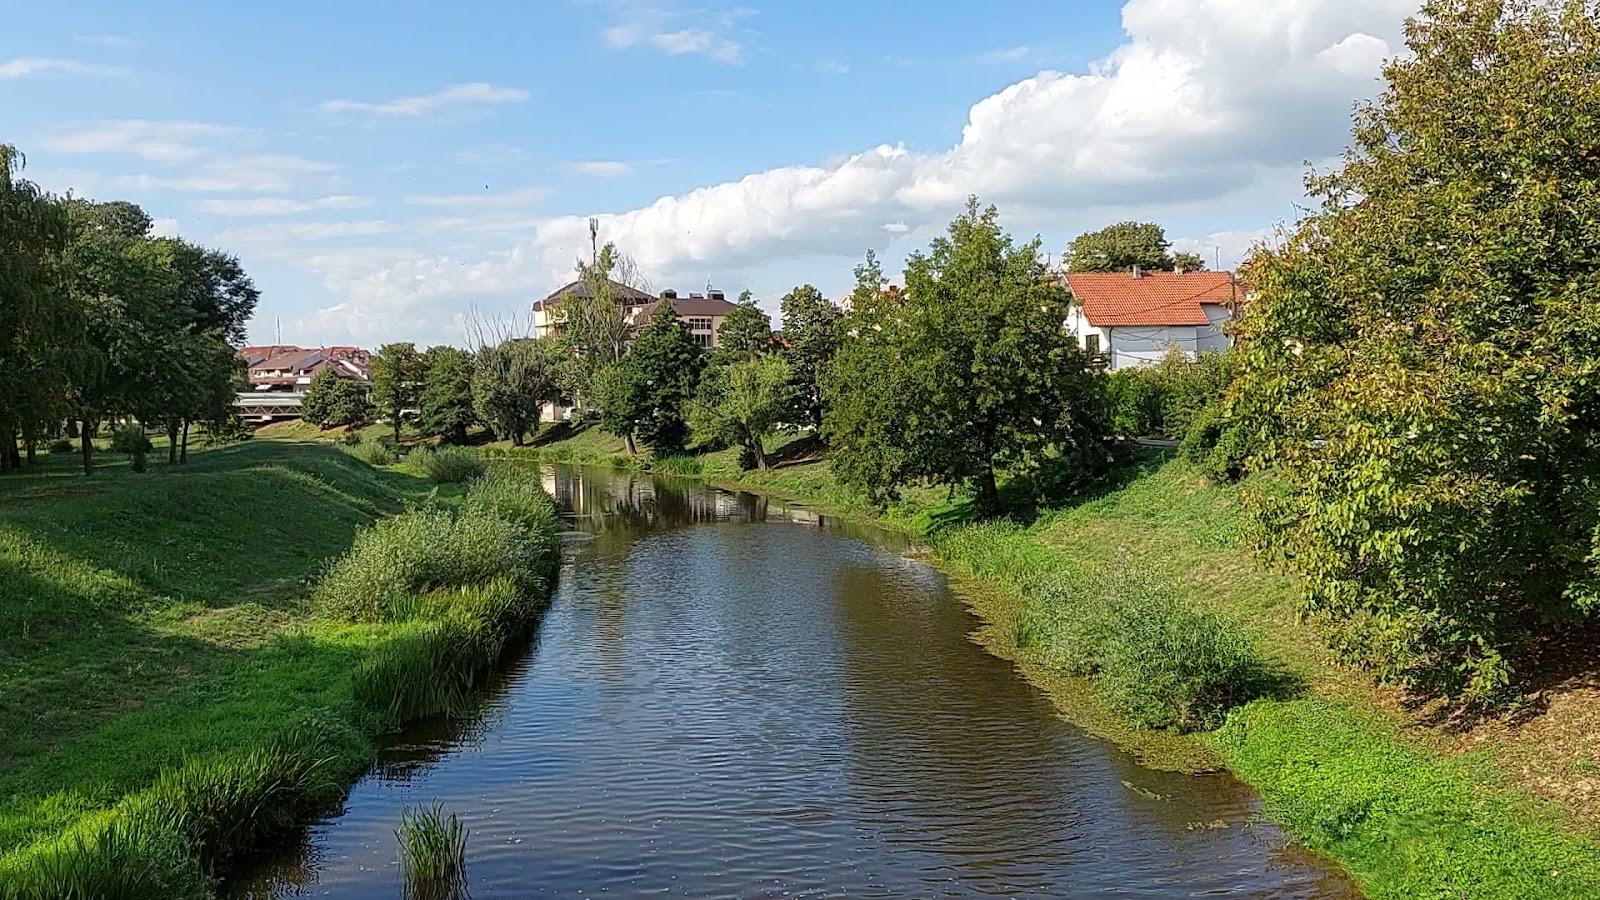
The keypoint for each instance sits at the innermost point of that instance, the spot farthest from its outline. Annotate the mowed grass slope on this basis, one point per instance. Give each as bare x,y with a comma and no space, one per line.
145,619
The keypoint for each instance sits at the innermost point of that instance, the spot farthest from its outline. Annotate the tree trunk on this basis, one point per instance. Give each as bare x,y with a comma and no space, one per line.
172,442
183,452
72,429
33,452
988,492
397,428
86,443
760,453
633,449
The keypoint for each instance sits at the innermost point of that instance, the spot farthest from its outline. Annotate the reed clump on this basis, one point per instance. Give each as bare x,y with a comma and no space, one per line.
433,854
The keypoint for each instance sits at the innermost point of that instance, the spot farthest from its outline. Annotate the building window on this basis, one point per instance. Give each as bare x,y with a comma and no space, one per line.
1091,344
699,323
703,339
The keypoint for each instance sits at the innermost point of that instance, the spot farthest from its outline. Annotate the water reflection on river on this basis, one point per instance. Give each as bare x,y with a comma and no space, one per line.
737,697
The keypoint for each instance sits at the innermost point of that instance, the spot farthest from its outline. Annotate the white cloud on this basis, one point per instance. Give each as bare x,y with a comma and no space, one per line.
280,206
601,168
24,66
1204,101
477,92
677,32
242,174
512,199
1010,54
155,141
1224,248
164,227
276,235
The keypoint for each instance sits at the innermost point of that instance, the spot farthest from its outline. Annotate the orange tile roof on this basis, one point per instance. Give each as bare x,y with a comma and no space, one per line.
1155,298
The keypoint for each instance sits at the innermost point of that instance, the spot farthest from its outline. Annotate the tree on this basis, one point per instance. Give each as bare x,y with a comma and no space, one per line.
1188,262
741,403
511,383
623,403
1420,364
811,337
447,394
666,363
38,320
965,372
594,328
397,381
746,331
331,401
1120,247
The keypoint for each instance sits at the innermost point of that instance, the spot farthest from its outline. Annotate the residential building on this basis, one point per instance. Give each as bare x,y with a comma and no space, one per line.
702,313
1134,318
278,375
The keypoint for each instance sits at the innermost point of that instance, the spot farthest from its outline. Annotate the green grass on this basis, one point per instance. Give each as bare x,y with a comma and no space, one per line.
162,659
433,854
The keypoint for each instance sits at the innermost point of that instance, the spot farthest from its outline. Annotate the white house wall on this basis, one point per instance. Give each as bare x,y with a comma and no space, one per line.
1211,337
1140,345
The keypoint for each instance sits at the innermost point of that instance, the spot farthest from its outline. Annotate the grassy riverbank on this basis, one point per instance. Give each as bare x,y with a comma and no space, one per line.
172,694
1410,805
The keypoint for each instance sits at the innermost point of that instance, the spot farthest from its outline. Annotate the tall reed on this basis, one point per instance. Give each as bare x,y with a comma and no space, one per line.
433,854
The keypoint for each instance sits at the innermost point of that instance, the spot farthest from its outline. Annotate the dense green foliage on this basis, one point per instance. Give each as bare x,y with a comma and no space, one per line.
1159,660
811,334
447,465
1421,357
1165,399
740,404
964,373
655,382
398,376
433,854
333,402
746,332
513,380
1120,247
446,401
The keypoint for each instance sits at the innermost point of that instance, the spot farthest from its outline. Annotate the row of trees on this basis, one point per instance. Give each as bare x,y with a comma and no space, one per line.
103,320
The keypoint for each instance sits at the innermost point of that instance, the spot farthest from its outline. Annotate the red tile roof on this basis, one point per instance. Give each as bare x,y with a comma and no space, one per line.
1155,298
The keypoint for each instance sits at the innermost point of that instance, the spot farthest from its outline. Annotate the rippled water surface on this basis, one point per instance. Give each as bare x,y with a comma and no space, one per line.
730,697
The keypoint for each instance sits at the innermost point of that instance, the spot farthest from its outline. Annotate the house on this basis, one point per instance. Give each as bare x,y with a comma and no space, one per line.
278,375
702,313
1134,318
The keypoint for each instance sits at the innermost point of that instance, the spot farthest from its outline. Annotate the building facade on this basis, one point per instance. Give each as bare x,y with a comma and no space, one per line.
703,314
278,375
1135,318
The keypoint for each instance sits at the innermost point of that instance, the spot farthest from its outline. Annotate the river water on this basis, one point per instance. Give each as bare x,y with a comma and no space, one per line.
735,697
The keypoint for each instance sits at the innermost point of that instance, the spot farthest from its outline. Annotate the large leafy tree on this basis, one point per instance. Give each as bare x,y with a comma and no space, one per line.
332,402
965,372
810,339
741,403
398,376
1423,354
594,327
1120,247
447,393
511,383
746,331
38,320
666,365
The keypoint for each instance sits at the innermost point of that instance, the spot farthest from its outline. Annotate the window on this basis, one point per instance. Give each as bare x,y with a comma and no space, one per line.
1091,344
703,339
699,323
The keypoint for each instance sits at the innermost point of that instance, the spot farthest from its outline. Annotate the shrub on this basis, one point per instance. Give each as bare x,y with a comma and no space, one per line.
1216,445
682,464
505,493
433,854
132,440
1159,660
449,465
376,453
351,438
61,445
1164,399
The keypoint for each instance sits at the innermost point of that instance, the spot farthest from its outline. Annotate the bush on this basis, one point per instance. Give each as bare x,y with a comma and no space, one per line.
507,494
1164,399
1159,660
682,464
376,453
449,465
132,440
61,445
351,438
1214,444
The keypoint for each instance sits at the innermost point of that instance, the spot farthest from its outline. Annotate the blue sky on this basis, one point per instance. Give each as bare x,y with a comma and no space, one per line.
388,171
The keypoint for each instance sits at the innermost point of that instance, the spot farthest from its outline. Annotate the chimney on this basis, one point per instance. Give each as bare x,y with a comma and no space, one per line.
715,295
669,294
1137,273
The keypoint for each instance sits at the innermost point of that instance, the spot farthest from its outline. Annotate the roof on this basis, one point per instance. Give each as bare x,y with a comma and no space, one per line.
1155,298
580,288
688,306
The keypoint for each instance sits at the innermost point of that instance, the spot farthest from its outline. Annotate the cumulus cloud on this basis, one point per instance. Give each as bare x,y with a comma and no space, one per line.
276,236
24,66
280,206
155,141
1203,100
476,92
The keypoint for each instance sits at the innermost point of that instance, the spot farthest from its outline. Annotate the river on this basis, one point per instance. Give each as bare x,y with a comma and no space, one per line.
736,697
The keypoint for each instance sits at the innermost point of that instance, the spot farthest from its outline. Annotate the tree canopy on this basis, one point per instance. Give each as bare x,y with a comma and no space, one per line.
665,366
513,380
740,404
746,331
1421,362
810,339
964,372
1120,247
333,402
446,403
